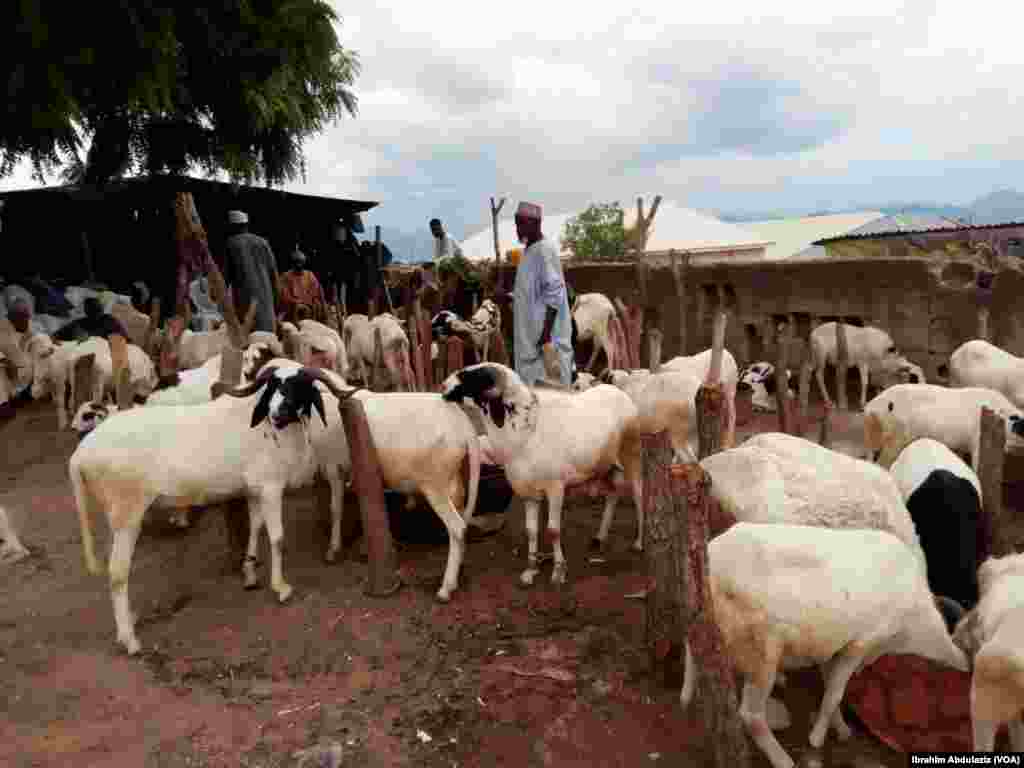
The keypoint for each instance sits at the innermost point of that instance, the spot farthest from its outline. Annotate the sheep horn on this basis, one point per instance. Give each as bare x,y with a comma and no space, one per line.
319,375
250,389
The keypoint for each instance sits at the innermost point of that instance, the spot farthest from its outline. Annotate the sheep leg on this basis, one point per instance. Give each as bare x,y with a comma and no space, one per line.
597,346
487,348
442,505
532,507
121,552
598,542
842,669
864,371
271,507
689,678
252,561
984,732
1016,729
729,439
556,497
837,722
11,550
819,374
336,479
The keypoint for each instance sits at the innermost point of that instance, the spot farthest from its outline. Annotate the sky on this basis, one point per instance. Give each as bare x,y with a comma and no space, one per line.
726,106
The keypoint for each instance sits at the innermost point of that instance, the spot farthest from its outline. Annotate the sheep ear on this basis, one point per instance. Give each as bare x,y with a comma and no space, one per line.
318,403
496,409
262,409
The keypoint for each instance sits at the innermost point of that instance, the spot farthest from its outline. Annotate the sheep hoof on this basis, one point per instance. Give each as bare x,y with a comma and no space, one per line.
558,574
817,738
284,593
444,595
130,644
331,556
638,545
527,577
596,545
843,733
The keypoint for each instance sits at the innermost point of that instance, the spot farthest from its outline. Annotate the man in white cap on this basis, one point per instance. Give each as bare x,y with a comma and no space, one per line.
541,310
251,271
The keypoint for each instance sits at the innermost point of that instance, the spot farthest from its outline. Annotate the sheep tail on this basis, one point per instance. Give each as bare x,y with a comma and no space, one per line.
83,501
473,450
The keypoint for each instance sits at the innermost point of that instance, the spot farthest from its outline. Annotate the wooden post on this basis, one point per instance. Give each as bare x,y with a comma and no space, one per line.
991,455
825,436
498,352
678,274
343,293
717,348
807,369
633,324
665,511
412,321
423,318
715,680
454,355
368,482
781,380
654,338
495,210
842,365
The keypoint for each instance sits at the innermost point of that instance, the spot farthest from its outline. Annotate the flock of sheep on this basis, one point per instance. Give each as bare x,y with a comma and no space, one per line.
833,561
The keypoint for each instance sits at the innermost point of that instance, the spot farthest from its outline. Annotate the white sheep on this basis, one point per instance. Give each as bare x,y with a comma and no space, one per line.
593,313
977,363
195,455
699,365
993,634
53,371
547,440
11,548
479,328
869,349
790,596
359,340
317,345
759,378
421,443
951,416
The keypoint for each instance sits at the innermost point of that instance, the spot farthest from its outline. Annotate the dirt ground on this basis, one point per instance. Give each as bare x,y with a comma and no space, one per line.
501,676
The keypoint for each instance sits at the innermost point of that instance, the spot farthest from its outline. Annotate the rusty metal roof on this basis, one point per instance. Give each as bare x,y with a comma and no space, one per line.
924,231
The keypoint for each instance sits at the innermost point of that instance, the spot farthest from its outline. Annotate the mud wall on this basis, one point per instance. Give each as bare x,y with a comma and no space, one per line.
928,314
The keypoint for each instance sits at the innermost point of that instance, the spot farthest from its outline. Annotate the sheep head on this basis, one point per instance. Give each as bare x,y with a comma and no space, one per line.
496,390
89,416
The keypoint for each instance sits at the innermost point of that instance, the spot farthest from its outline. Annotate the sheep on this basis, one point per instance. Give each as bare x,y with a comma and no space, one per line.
135,323
951,416
359,341
759,378
180,456
992,634
548,440
479,328
421,442
980,364
868,349
11,548
317,345
53,371
196,347
593,313
790,596
943,496
699,365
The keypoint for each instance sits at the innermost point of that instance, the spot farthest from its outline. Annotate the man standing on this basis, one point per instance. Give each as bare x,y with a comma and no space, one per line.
541,309
302,292
445,247
250,270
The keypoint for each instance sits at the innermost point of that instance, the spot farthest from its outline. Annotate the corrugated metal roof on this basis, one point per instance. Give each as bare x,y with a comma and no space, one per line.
791,236
949,227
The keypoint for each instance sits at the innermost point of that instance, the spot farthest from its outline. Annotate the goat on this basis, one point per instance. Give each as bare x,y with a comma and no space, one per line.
790,596
548,440
980,364
952,416
53,371
869,349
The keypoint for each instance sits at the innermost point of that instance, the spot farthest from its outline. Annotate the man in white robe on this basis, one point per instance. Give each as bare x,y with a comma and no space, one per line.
541,309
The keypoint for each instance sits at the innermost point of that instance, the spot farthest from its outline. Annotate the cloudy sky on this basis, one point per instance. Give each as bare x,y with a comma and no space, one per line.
726,105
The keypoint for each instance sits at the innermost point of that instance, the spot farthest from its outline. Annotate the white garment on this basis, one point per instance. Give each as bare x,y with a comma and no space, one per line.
540,284
446,247
208,312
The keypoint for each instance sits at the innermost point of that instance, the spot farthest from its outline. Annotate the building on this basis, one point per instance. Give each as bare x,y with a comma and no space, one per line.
125,231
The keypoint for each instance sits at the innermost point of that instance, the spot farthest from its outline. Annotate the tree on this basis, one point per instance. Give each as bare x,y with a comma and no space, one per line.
597,233
165,86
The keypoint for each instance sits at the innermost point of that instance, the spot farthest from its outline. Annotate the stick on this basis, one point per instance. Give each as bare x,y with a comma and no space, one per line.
678,273
654,339
991,450
495,210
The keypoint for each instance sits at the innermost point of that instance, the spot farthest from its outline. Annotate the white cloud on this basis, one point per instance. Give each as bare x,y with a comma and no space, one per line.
726,105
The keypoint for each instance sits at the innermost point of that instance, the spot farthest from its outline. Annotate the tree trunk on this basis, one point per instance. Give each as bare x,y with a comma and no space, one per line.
715,680
664,543
368,483
991,456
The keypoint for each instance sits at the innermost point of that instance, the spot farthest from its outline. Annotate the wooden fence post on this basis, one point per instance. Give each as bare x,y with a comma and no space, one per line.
807,369
680,267
842,365
825,435
368,482
781,380
654,338
983,297
498,352
991,456
454,355
423,318
412,318
495,210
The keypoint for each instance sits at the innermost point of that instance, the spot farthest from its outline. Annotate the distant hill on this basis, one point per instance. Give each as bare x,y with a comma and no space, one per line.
1001,206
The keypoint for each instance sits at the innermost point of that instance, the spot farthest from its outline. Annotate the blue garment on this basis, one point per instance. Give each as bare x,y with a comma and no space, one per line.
540,284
